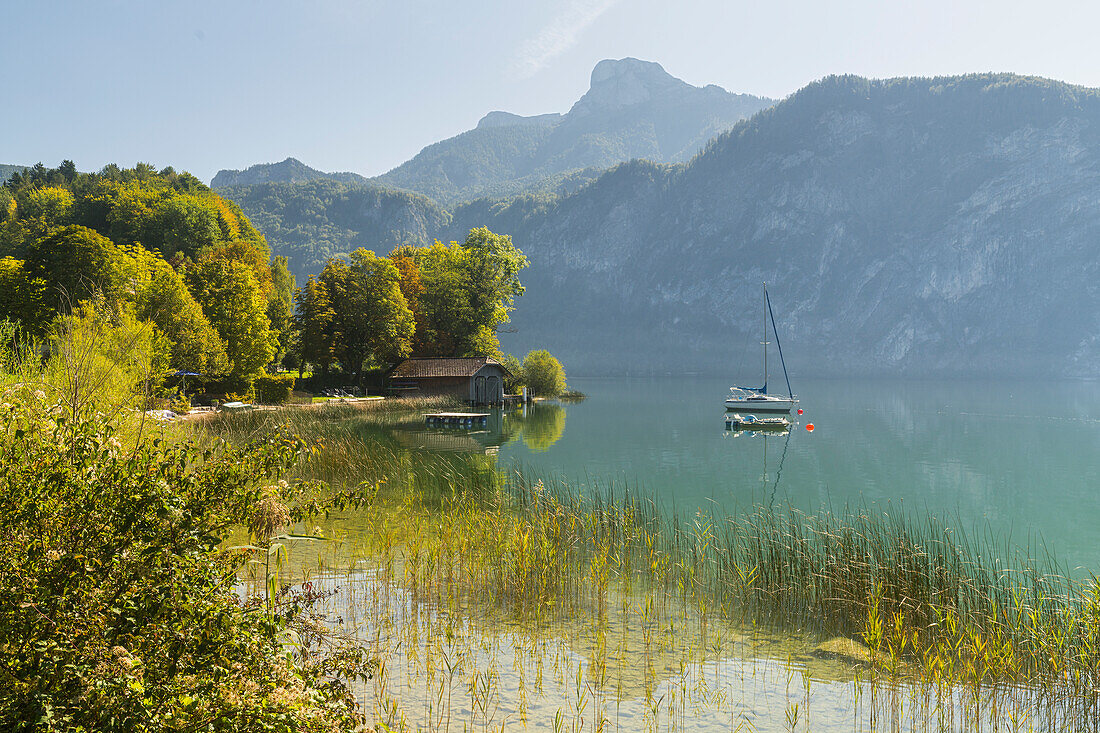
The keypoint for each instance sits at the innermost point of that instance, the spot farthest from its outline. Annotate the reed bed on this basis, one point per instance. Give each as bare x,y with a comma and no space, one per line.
960,628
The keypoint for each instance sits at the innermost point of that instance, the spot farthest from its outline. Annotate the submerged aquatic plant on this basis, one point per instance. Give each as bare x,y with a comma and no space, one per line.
920,603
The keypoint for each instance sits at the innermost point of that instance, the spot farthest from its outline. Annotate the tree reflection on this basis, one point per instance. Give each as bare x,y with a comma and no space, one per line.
542,426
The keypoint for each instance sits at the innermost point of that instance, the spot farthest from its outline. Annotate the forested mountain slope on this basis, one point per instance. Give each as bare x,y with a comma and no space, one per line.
633,109
313,221
6,170
920,226
290,170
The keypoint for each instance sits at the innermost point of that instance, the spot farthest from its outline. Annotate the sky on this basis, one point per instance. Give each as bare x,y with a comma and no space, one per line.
363,86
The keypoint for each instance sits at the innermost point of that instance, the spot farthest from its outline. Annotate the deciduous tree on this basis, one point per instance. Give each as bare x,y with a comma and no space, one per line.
468,292
236,306
312,325
76,262
544,374
194,343
23,298
371,318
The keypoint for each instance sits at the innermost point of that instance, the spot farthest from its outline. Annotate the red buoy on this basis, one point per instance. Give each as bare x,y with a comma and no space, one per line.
799,410
810,426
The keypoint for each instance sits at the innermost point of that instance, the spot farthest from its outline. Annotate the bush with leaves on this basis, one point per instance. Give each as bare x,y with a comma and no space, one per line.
543,373
118,607
273,389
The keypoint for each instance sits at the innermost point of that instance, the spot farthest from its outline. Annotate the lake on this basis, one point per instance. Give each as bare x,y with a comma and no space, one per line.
1018,460
1013,464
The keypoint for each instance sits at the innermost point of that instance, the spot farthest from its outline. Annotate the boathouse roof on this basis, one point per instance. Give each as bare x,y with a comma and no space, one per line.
423,367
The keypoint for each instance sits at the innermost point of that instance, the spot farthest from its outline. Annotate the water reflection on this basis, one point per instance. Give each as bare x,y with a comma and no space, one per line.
413,434
540,425
759,439
537,426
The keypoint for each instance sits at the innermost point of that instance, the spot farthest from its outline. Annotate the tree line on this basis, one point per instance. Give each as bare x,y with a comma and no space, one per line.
137,247
146,246
439,300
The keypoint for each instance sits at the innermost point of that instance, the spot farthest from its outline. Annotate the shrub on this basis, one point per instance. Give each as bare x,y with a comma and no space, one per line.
544,374
119,608
572,395
228,387
273,389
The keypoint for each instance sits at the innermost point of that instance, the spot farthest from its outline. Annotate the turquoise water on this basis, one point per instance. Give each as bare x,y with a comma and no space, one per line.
1018,461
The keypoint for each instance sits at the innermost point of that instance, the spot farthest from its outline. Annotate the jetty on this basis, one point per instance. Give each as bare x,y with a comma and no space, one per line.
467,420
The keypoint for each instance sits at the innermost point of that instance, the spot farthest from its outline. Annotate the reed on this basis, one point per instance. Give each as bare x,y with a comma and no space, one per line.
966,627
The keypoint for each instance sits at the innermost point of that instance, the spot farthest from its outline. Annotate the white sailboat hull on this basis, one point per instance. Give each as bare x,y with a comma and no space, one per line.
760,403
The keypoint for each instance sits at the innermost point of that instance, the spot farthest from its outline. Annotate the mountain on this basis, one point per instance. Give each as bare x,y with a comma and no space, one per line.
633,109
290,170
917,226
6,170
313,221
944,226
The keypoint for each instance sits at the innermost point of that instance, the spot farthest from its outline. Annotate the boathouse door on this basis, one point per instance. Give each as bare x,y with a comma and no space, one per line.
495,393
479,391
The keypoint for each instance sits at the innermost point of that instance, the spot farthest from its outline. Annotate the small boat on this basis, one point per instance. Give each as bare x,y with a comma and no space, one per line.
753,400
752,422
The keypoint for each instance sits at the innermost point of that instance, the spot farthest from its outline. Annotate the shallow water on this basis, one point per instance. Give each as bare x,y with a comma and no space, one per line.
473,669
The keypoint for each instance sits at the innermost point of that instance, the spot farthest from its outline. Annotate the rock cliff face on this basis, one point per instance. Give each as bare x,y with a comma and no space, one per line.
919,226
625,83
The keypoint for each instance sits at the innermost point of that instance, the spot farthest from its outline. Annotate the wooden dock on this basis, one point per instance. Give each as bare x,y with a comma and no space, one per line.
466,420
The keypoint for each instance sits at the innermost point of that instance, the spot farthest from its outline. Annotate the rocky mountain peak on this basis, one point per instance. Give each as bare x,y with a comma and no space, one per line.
619,83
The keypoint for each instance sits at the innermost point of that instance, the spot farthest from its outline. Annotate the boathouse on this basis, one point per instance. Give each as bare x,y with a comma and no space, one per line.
478,380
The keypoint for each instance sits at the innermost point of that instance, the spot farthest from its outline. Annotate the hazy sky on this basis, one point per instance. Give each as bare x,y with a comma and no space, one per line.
363,86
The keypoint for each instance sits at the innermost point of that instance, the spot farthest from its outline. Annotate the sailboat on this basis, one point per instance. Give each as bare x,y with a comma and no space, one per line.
752,400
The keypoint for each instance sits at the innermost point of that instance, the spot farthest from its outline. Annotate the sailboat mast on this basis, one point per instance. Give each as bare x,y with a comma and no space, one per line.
765,341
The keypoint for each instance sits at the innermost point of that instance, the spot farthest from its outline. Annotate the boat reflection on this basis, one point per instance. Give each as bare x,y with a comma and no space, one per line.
769,483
